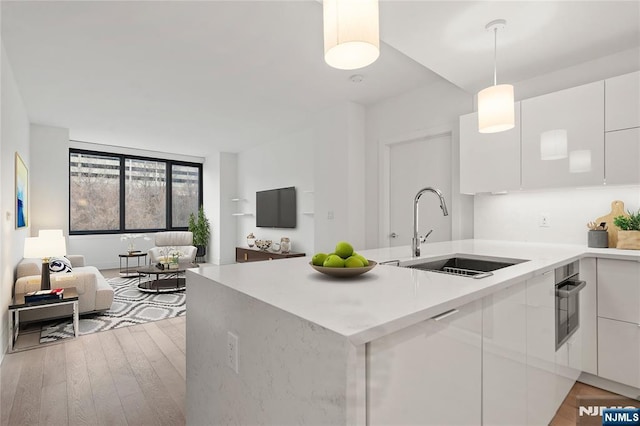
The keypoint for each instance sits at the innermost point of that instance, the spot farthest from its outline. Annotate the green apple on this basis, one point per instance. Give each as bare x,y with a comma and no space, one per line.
333,261
319,258
364,260
353,262
344,249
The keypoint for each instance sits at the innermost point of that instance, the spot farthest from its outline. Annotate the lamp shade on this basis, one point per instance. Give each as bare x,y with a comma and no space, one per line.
351,33
580,161
496,111
553,144
41,247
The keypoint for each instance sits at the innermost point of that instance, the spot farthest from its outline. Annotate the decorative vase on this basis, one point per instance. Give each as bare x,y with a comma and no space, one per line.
132,247
285,245
251,240
628,240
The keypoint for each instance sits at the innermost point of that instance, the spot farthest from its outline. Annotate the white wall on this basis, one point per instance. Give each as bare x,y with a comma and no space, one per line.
515,216
432,108
49,178
285,162
14,137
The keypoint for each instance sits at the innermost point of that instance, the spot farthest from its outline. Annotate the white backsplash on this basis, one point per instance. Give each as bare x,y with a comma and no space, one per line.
516,216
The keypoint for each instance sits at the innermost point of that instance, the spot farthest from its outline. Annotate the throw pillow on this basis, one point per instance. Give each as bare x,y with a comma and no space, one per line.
59,264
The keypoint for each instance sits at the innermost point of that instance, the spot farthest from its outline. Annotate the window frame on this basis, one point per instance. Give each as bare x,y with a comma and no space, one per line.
122,180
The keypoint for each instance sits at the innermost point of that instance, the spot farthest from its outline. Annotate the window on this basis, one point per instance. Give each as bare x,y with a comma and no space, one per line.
113,193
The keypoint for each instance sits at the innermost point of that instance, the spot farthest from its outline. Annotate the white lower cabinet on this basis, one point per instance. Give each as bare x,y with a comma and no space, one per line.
504,368
429,373
619,321
542,401
619,351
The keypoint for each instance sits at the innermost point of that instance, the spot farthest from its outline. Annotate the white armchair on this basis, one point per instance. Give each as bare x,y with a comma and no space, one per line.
178,240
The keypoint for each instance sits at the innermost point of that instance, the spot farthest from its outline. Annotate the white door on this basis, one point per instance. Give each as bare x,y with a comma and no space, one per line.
412,166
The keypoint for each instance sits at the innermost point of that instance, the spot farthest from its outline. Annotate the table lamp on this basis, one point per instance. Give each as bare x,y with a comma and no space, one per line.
45,247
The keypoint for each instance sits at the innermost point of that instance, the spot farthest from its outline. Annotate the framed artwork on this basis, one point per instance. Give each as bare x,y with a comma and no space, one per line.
22,193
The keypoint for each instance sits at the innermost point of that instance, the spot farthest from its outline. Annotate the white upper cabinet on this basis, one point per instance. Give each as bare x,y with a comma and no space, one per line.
577,112
489,162
622,102
622,156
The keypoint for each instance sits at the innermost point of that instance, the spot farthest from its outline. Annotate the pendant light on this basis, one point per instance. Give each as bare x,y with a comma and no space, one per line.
351,33
496,111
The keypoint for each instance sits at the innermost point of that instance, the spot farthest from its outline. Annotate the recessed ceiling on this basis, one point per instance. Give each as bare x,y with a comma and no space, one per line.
197,77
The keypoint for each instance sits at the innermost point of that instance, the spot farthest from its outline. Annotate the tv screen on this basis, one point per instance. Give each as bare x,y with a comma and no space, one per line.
276,208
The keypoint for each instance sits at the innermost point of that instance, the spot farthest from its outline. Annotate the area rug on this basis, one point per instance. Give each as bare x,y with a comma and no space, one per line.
130,307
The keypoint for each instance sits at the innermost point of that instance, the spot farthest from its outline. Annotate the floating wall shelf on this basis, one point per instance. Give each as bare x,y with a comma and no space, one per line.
241,214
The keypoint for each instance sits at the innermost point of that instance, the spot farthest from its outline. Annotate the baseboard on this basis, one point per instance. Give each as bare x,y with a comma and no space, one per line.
609,385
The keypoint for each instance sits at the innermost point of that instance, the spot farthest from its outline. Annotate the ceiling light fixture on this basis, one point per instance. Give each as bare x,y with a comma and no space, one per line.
496,111
351,33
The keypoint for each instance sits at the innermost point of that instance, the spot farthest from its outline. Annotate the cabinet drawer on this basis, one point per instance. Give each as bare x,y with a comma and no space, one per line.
619,290
619,351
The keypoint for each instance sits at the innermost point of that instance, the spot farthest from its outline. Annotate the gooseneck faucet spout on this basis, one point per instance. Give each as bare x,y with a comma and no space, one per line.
417,240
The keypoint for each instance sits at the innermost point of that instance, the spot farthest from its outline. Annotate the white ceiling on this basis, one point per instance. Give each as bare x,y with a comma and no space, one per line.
194,77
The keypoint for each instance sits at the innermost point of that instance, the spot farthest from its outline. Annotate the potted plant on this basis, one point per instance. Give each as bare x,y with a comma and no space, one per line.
629,234
201,230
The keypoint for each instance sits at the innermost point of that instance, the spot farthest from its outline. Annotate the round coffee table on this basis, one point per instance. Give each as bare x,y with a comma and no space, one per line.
166,280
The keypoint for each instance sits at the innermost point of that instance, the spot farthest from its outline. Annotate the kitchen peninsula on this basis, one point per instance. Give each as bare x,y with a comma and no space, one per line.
279,343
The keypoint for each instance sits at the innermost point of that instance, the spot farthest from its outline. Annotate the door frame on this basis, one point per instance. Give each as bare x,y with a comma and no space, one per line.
384,165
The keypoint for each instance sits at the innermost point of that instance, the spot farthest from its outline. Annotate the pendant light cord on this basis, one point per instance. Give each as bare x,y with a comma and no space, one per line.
495,56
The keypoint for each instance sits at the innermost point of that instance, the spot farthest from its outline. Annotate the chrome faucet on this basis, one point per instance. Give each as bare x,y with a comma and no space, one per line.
417,240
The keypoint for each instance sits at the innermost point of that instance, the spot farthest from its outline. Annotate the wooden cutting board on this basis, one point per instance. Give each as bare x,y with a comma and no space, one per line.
617,209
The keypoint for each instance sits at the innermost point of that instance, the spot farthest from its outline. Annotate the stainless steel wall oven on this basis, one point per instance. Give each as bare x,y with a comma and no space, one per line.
568,286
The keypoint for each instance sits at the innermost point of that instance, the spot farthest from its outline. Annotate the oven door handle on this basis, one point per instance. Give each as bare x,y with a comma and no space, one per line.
579,285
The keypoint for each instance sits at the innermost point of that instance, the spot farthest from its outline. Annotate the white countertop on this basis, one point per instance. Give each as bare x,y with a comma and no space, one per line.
389,298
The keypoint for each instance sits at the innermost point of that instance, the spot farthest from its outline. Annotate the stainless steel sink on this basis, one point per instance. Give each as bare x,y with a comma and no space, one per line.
469,266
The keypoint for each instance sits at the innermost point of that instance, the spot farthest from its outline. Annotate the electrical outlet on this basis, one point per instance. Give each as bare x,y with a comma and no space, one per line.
330,215
232,351
544,221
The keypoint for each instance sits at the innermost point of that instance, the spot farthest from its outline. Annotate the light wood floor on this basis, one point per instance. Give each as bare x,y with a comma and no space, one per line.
128,376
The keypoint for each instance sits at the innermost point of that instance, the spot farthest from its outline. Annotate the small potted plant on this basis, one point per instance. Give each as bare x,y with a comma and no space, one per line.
201,231
629,234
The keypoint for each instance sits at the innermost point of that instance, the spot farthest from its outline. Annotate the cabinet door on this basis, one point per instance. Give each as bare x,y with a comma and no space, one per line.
619,290
622,156
579,111
504,372
541,350
489,162
622,101
619,351
429,373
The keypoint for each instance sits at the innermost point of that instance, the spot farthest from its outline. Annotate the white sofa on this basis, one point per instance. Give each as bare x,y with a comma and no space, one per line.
173,240
94,292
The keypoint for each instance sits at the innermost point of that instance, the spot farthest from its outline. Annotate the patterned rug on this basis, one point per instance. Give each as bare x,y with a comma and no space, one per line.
130,307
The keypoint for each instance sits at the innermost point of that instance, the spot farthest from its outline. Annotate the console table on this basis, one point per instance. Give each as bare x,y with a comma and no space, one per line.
254,255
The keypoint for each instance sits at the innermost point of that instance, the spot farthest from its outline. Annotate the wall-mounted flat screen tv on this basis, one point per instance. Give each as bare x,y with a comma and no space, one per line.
276,208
